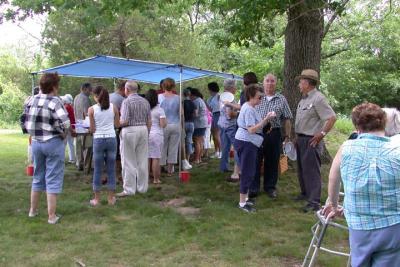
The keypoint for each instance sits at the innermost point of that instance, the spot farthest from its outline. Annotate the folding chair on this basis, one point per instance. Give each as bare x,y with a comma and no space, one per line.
319,230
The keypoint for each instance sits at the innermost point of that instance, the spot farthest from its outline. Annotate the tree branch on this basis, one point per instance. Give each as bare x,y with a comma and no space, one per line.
335,53
332,19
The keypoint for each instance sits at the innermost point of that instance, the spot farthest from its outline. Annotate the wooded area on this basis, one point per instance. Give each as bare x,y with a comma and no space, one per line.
355,44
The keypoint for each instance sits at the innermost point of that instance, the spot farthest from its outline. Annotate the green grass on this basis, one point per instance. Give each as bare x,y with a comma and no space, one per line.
140,232
9,125
344,125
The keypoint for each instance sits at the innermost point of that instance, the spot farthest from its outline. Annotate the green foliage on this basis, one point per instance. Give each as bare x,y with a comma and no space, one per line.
11,102
15,67
344,125
369,67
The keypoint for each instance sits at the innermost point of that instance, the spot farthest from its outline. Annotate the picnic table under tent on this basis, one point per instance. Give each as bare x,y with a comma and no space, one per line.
108,67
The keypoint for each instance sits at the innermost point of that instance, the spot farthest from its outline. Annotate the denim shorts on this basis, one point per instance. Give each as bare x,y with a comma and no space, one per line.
48,163
215,118
199,132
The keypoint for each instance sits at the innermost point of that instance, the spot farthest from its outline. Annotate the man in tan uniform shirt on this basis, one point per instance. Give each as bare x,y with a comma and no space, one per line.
314,119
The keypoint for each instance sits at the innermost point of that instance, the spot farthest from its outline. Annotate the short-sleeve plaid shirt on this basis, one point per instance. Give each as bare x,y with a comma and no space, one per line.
45,117
135,110
278,104
370,171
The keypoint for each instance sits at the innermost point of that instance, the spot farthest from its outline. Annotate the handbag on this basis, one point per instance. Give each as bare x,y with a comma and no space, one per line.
283,164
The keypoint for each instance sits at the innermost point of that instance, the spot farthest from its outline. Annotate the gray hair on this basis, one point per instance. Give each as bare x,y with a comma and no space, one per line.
229,84
131,86
272,75
392,121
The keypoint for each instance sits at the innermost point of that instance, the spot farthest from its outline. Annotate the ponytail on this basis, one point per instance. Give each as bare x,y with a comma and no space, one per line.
102,97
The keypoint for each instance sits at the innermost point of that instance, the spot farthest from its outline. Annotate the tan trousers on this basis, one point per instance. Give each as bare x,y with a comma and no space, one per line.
134,159
83,152
171,144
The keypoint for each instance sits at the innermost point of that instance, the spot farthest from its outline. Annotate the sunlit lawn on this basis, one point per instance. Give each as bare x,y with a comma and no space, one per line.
140,231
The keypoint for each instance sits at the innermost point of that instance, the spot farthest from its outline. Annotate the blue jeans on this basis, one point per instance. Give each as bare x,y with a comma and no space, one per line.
48,163
104,150
227,139
189,129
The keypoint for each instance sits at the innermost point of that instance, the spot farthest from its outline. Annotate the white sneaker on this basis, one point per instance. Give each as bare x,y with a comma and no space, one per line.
33,213
219,154
186,165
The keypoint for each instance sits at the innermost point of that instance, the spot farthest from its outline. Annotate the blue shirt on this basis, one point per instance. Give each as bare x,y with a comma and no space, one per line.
370,171
248,117
200,121
170,105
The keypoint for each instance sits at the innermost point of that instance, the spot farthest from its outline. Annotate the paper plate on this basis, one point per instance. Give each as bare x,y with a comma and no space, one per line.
226,96
290,150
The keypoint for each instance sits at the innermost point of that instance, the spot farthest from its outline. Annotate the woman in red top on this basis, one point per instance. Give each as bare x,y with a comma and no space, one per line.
67,100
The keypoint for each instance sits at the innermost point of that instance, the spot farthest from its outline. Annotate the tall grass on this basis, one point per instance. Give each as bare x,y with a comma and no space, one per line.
344,125
9,125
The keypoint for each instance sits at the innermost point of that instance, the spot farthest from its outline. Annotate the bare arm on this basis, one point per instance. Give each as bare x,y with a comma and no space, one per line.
232,105
288,128
92,127
327,127
163,122
148,123
331,209
253,129
116,118
329,124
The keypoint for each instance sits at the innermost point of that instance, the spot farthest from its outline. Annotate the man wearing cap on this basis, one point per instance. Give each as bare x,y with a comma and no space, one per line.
271,151
314,119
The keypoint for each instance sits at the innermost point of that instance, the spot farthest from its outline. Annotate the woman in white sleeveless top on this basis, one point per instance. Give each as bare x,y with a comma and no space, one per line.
104,117
156,136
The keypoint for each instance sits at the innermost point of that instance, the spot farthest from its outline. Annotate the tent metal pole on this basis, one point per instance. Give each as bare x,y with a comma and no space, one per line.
33,83
180,122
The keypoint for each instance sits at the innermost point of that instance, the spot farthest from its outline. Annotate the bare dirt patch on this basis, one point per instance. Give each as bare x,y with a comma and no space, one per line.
178,204
169,190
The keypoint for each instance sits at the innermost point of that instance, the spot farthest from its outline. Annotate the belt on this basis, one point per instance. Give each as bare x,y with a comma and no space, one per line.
260,134
216,112
276,129
104,136
304,135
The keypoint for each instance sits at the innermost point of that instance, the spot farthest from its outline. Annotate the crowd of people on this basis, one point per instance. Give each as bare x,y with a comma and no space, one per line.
144,133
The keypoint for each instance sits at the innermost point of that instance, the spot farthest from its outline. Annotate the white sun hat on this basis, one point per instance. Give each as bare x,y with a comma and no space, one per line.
290,150
226,96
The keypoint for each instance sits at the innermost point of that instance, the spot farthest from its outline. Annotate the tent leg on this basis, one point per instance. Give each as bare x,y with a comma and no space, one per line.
33,83
181,123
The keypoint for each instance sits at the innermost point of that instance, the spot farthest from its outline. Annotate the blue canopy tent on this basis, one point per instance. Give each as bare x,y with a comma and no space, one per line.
131,69
108,67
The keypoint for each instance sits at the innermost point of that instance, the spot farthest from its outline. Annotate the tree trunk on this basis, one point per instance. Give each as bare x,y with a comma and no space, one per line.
303,38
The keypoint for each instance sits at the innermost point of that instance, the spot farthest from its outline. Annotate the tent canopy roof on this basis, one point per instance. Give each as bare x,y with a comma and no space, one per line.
131,69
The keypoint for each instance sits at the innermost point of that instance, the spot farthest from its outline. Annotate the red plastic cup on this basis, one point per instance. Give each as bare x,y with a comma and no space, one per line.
29,170
231,154
185,176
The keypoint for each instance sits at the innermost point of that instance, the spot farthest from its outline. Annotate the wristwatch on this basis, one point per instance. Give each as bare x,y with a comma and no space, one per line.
323,133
